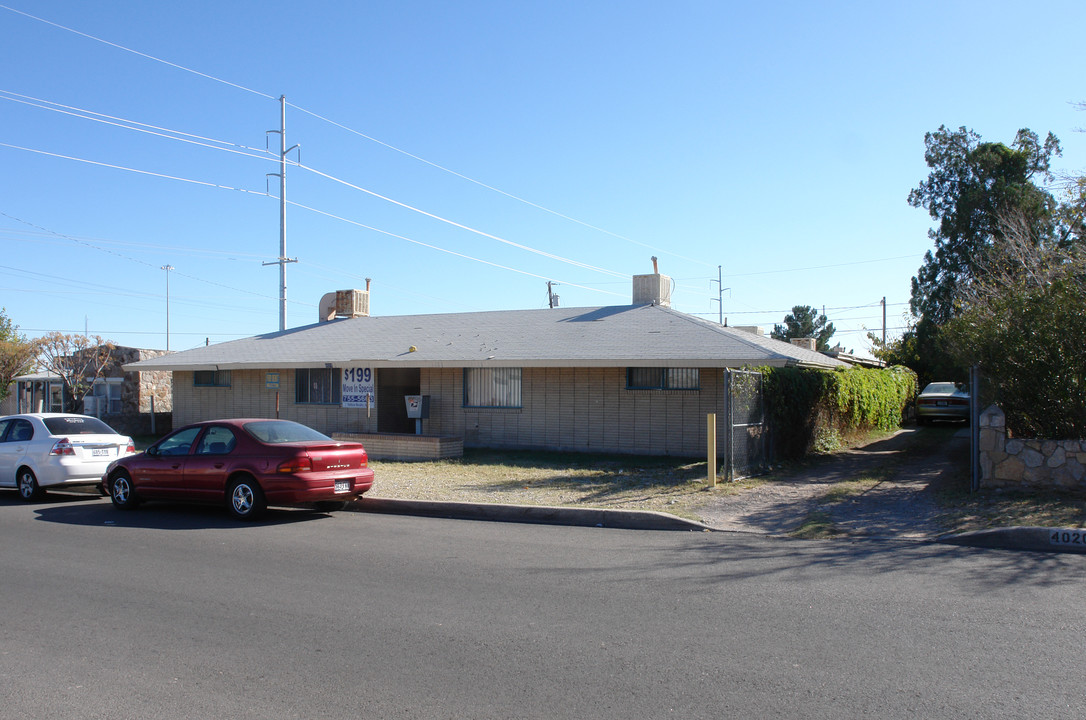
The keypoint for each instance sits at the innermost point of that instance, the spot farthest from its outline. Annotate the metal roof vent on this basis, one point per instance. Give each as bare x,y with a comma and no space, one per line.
652,289
345,304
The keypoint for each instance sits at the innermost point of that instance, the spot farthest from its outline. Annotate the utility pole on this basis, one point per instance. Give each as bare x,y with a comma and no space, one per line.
282,174
719,293
551,297
884,321
167,268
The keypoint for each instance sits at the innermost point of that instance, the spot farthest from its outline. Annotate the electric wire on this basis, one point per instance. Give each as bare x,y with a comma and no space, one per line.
127,124
137,52
441,249
344,127
509,195
264,156
470,229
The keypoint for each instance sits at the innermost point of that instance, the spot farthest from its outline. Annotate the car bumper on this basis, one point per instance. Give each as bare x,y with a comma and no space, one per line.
943,413
64,471
299,489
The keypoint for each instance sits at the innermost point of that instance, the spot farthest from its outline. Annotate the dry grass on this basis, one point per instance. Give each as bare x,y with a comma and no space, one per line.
678,486
555,479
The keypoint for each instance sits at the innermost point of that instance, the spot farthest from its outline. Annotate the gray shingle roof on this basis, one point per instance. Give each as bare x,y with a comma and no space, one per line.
624,335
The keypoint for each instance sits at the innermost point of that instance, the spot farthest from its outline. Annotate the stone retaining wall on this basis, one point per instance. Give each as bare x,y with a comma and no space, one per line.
1019,463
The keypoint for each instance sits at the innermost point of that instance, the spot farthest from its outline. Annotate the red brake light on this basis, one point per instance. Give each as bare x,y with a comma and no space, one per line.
302,463
131,447
62,447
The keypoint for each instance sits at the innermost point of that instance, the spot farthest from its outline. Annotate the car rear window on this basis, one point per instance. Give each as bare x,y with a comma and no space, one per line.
283,431
77,426
940,388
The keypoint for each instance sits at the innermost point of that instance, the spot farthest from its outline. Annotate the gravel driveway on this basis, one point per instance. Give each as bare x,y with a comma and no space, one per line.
896,500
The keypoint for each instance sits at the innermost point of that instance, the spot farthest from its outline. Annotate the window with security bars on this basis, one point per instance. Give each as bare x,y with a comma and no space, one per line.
649,378
492,387
317,386
211,378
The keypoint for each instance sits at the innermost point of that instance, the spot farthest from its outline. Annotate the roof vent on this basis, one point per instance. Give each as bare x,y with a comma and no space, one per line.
652,289
805,343
345,303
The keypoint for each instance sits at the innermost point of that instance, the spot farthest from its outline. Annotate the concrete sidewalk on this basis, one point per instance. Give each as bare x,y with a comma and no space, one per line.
1069,540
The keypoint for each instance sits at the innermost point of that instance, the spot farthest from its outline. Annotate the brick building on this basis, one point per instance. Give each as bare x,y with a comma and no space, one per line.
637,378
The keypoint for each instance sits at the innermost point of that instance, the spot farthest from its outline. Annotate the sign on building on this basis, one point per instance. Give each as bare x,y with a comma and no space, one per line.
357,387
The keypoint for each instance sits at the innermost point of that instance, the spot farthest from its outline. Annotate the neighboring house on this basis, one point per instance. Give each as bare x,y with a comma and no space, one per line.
124,399
637,378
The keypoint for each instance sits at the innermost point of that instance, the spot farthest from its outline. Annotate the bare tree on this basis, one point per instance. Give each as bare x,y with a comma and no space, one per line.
16,353
77,360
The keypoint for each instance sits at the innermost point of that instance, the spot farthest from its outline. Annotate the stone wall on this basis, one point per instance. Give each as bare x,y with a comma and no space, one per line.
1027,464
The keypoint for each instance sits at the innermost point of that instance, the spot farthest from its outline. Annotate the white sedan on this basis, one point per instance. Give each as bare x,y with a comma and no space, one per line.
41,450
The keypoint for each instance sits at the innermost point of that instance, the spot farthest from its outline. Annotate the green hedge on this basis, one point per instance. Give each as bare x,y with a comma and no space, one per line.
809,410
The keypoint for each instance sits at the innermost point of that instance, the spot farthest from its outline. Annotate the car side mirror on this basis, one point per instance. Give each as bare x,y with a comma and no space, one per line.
152,451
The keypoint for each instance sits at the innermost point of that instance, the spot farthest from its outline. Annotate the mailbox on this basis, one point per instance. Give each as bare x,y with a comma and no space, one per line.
418,406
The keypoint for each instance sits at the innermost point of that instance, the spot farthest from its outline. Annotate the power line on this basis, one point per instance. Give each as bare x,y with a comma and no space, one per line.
396,202
135,125
441,249
136,52
360,134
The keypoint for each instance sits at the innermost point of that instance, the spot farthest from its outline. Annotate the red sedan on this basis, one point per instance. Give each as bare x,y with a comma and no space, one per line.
247,464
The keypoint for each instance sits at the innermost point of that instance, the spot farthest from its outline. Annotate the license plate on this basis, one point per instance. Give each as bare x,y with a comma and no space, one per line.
941,403
343,485
100,452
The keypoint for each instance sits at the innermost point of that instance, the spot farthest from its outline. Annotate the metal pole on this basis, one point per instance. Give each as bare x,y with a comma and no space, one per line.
167,268
282,212
710,447
720,294
884,321
283,259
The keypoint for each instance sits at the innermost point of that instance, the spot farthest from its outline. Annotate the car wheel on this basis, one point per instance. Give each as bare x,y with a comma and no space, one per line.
121,492
329,505
245,499
29,489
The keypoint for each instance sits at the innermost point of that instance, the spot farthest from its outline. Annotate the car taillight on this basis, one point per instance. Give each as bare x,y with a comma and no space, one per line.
295,465
365,459
131,447
62,447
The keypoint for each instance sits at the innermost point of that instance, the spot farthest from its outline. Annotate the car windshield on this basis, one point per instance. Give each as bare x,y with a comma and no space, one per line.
283,431
939,388
77,425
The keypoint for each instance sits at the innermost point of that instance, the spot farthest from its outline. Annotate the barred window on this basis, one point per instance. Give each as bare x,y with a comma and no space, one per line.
648,378
492,387
317,386
211,378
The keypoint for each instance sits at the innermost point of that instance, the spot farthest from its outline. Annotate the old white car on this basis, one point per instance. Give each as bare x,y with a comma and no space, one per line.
43,450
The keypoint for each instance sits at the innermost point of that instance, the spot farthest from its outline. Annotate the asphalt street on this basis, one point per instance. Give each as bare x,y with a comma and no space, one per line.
175,612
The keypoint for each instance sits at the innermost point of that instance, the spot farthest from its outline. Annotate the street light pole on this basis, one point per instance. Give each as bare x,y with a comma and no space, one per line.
167,268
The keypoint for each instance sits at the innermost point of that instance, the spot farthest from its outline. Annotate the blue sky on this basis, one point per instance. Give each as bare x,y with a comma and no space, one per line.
520,142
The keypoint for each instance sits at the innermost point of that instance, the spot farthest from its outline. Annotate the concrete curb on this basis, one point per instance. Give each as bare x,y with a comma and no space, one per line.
1041,539
540,514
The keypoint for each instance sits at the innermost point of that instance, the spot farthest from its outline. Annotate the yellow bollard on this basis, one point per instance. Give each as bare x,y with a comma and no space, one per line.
711,442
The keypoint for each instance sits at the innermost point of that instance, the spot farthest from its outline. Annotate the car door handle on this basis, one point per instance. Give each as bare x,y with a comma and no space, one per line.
218,466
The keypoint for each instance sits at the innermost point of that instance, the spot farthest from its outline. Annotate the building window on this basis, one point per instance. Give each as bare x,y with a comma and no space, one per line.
211,378
492,387
317,386
649,378
107,397
56,397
